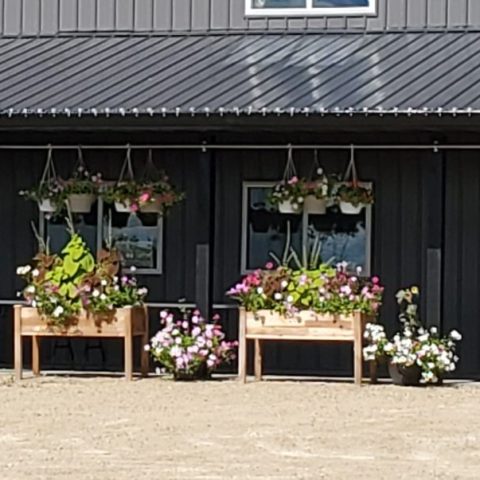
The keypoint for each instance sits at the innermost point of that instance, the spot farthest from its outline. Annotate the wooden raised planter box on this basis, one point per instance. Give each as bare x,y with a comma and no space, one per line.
306,325
125,323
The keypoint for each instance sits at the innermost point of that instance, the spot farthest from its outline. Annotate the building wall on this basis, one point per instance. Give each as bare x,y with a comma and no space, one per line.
424,200
47,17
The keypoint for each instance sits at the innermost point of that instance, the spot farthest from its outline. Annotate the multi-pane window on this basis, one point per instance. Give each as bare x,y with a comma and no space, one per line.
310,7
265,231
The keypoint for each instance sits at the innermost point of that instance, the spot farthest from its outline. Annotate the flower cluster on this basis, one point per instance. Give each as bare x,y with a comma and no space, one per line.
414,344
352,192
143,193
81,182
186,346
324,290
110,293
293,190
320,188
59,286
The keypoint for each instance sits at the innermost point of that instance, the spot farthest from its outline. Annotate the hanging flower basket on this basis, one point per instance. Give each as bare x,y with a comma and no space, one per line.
47,206
351,194
289,194
81,202
289,207
123,206
317,206
348,208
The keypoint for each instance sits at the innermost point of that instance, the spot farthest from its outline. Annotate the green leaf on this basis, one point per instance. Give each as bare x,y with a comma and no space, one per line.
70,266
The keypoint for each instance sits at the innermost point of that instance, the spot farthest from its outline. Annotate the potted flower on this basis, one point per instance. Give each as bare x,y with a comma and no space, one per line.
289,195
81,190
48,195
69,288
190,349
326,290
318,193
416,354
353,197
148,196
325,304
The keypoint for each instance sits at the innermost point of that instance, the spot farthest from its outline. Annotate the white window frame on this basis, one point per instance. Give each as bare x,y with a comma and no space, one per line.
309,10
269,184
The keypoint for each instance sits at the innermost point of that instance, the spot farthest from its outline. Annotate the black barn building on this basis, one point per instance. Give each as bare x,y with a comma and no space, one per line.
217,91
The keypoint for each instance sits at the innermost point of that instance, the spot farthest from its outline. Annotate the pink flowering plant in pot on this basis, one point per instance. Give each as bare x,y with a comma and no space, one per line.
150,196
190,348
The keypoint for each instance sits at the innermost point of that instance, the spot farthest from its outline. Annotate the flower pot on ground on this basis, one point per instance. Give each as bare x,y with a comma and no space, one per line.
405,376
414,347
190,348
81,202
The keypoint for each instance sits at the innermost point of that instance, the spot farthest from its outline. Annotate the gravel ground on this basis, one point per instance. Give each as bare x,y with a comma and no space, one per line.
106,428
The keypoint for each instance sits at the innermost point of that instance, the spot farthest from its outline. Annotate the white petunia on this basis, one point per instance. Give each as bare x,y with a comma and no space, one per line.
278,296
58,311
95,293
455,335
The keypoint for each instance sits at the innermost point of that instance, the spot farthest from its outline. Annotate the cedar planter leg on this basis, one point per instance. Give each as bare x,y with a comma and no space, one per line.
357,349
145,340
242,346
36,355
373,371
128,349
18,342
258,359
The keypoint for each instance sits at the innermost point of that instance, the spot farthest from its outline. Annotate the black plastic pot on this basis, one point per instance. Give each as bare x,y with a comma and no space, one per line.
405,376
201,374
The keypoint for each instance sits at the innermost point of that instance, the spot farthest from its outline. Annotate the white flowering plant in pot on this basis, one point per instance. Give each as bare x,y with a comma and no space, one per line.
417,354
190,348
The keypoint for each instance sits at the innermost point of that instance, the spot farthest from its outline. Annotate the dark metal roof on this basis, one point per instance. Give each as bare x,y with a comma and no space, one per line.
390,73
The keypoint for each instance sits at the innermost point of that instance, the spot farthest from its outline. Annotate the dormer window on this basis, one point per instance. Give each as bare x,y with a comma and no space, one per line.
306,8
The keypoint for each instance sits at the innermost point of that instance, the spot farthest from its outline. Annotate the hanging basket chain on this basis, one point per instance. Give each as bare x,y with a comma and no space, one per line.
290,170
80,160
351,172
127,167
150,171
315,166
49,172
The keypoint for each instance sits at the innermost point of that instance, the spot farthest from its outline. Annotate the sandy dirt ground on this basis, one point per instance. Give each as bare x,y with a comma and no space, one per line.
106,428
